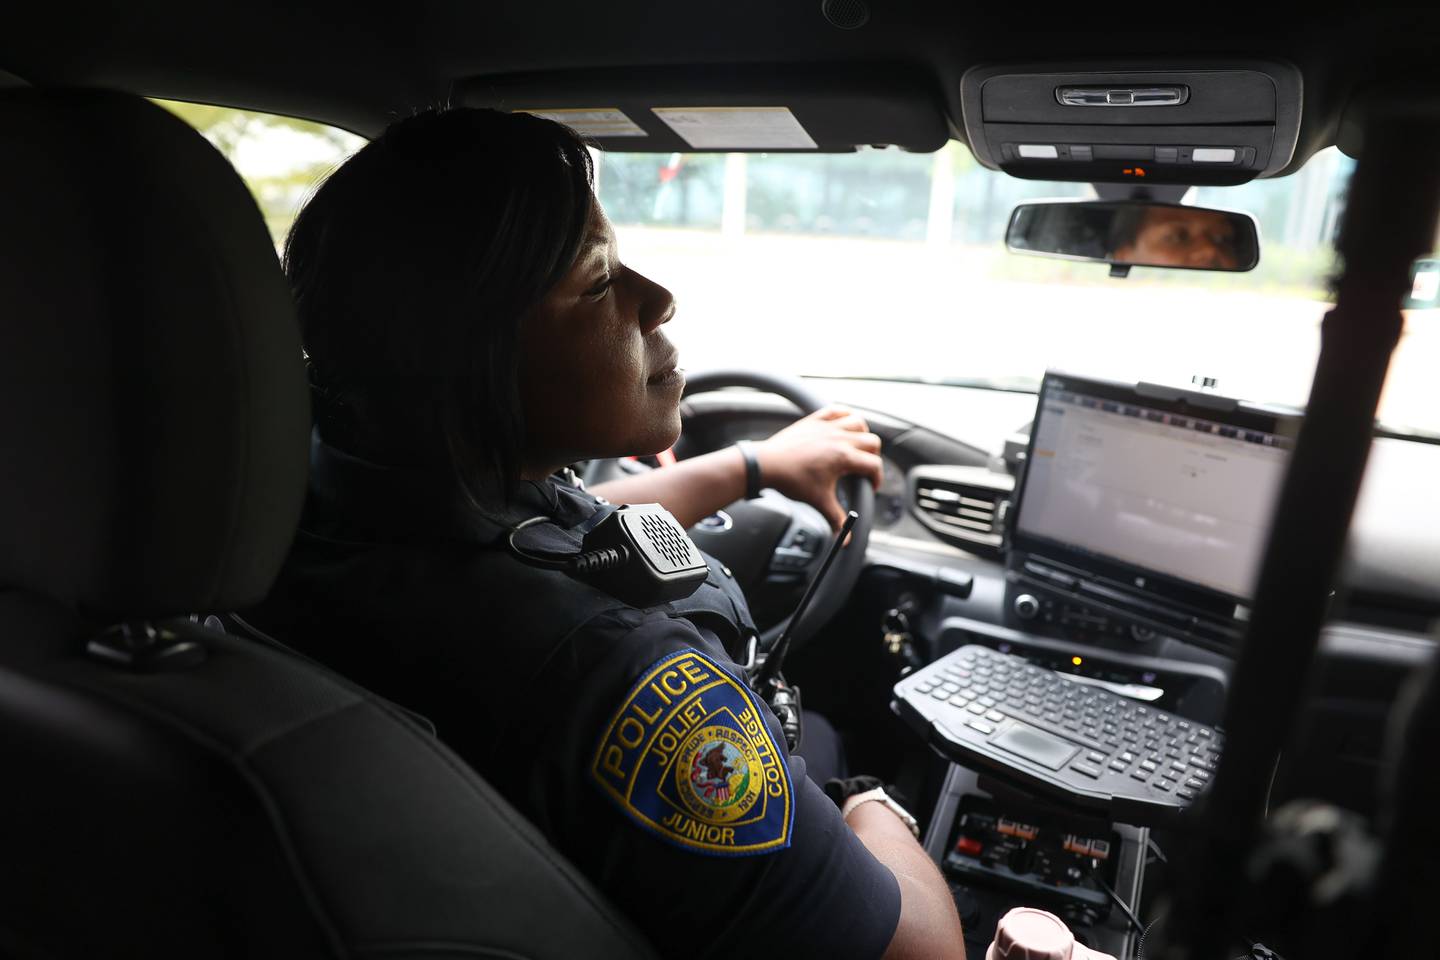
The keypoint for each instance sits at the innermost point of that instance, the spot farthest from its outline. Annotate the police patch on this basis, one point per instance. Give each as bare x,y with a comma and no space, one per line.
688,756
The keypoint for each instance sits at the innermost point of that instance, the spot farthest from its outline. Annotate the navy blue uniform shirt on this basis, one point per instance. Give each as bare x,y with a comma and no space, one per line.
626,735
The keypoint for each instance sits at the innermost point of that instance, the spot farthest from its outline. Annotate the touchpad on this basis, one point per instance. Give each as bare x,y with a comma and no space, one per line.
1036,745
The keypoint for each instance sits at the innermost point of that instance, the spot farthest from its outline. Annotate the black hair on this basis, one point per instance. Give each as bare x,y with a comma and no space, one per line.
414,265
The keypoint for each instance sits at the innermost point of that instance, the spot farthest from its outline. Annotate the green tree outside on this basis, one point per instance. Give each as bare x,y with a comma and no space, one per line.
280,188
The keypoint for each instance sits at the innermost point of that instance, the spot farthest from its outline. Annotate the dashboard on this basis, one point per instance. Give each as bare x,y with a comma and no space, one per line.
956,588
1391,578
947,578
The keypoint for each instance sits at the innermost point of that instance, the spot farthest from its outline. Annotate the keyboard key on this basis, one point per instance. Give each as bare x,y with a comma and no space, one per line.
1127,757
1094,757
1184,794
939,694
1090,771
1163,784
994,716
1193,784
1141,774
982,726
976,709
1202,775
1148,767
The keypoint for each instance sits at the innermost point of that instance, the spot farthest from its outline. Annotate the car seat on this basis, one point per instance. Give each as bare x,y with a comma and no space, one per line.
166,789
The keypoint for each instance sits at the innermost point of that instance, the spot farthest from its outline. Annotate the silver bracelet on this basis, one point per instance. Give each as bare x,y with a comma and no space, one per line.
878,795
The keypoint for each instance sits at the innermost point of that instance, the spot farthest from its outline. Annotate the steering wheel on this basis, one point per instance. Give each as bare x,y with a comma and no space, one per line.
774,545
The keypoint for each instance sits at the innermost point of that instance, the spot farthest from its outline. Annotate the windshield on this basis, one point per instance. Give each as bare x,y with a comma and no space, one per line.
892,265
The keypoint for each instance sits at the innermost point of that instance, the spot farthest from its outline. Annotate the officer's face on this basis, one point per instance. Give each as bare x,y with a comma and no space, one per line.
598,378
1178,237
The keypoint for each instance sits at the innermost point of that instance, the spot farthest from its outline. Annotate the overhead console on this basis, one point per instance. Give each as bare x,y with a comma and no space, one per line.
1214,123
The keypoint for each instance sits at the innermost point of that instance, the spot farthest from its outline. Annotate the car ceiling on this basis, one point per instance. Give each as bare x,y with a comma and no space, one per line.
360,67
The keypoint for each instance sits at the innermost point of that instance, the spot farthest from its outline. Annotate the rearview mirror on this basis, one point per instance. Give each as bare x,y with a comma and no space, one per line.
1136,233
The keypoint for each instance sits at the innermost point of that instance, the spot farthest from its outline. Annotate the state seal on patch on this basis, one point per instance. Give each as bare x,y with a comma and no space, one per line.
690,757
714,779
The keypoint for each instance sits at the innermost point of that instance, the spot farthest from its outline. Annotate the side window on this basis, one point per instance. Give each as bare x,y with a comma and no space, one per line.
281,159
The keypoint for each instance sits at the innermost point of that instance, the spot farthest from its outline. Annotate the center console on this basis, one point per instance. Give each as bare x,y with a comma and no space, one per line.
1136,532
999,850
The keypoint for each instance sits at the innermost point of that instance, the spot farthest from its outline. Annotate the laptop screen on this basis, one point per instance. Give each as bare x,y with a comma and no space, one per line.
1186,494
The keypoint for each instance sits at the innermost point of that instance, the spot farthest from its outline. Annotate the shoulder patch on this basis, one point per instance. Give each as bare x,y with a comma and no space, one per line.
688,757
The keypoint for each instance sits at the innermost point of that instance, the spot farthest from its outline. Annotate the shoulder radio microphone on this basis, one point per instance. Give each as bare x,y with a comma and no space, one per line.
637,553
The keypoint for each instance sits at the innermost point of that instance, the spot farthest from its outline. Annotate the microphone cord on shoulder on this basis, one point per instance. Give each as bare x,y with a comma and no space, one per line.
582,565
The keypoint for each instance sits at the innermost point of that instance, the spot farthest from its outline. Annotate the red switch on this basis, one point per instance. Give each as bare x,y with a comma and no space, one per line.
969,846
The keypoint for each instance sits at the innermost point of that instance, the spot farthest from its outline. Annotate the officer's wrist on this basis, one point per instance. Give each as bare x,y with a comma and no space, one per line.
880,797
754,479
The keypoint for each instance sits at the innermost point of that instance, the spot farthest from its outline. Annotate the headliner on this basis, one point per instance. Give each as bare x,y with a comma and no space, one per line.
358,68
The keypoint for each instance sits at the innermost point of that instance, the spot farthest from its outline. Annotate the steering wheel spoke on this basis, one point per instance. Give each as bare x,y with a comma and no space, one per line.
802,547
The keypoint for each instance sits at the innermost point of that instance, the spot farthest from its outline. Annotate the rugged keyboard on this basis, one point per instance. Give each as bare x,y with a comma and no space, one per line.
992,711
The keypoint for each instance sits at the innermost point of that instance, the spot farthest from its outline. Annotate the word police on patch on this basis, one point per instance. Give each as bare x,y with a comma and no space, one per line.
688,756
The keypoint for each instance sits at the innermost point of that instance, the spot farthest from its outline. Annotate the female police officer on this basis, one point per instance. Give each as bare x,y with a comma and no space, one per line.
470,331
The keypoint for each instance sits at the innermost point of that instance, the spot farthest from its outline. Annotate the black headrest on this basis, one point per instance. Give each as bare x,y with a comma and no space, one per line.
153,409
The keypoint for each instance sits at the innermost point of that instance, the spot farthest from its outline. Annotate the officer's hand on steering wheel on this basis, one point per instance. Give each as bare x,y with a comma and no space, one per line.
805,460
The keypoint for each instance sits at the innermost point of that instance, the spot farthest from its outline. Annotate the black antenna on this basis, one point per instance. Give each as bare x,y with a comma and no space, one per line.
771,669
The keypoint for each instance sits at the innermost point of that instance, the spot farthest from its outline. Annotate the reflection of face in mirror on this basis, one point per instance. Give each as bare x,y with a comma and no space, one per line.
1174,237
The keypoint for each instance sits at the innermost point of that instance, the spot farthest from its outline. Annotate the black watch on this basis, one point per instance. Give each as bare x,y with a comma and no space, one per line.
753,480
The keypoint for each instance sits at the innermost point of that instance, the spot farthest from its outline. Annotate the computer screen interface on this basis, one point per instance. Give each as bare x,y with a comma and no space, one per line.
1187,495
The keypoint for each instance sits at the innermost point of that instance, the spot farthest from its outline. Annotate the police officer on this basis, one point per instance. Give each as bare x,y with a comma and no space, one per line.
470,331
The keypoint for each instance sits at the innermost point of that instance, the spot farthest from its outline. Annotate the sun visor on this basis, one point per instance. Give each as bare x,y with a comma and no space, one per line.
1205,124
725,109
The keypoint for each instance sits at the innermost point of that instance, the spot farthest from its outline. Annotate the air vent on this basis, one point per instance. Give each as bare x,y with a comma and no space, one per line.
963,505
